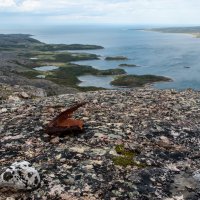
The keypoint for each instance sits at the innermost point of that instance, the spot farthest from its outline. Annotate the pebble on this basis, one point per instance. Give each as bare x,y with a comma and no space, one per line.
164,139
24,95
197,175
55,140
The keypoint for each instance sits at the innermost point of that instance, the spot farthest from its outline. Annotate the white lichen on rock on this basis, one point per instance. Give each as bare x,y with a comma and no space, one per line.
196,175
20,176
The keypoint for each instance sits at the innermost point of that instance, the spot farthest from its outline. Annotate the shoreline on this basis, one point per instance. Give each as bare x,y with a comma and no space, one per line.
32,55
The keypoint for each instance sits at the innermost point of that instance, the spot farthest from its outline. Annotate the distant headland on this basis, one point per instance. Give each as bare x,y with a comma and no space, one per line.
195,31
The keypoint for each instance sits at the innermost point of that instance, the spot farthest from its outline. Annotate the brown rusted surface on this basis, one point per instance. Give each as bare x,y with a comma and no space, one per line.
64,124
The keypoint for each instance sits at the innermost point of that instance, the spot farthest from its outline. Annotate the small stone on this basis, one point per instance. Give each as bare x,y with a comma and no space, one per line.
113,136
24,95
20,176
62,160
95,101
97,162
164,139
78,149
196,175
55,140
87,188
69,181
10,198
13,99
51,110
3,110
172,167
58,157
89,167
98,151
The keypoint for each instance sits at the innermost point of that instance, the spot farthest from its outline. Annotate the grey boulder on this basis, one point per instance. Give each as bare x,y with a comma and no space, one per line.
20,176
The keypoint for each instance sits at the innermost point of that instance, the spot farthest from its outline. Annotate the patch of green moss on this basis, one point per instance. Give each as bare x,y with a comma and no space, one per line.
126,158
123,161
121,150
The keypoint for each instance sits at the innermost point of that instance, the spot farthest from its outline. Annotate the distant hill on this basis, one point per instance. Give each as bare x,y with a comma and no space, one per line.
17,39
188,30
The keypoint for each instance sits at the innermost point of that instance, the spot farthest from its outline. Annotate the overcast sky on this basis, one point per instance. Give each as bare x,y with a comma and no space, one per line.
166,12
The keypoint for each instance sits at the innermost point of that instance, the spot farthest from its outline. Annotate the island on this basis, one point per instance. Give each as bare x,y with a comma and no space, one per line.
110,58
137,80
128,65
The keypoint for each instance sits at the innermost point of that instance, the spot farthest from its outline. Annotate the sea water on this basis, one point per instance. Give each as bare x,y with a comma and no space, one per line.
171,55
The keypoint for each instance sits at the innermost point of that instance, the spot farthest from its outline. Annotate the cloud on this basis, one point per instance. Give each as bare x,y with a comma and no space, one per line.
6,4
110,11
29,5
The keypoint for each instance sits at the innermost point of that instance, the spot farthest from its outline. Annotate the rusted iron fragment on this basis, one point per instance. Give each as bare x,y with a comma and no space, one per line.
63,124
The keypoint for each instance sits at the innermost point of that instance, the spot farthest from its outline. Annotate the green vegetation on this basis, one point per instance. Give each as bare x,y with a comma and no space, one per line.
137,80
109,72
120,149
109,58
67,57
126,157
62,47
128,65
49,56
30,74
67,75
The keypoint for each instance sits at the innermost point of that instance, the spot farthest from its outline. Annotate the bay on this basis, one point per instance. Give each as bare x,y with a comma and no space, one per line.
172,55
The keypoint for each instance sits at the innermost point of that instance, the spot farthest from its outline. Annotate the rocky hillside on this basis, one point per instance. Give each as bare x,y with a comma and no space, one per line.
140,144
20,54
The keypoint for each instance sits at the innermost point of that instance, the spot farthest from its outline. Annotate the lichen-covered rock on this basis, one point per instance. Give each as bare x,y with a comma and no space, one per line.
196,175
156,132
20,176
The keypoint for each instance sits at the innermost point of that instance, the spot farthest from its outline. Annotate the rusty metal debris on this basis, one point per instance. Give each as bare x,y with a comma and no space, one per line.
64,124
